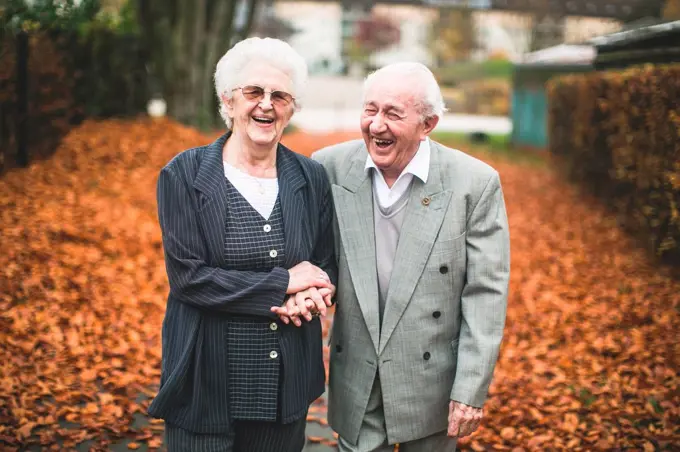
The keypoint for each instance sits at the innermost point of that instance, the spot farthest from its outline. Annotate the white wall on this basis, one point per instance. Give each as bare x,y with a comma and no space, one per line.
415,24
318,35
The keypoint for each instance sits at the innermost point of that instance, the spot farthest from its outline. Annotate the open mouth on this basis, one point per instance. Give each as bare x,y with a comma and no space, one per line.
382,144
263,120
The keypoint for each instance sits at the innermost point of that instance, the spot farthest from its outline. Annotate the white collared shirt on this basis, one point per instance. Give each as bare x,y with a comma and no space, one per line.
419,166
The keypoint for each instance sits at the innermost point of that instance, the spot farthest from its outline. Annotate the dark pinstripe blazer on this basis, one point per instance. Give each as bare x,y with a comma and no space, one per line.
192,209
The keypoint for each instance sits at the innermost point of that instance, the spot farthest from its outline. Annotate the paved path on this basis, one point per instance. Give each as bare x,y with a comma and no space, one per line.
139,422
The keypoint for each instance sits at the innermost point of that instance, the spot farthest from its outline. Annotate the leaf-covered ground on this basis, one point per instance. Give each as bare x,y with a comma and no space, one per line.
589,360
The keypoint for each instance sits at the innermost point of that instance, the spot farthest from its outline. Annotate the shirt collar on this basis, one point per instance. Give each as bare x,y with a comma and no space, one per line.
419,165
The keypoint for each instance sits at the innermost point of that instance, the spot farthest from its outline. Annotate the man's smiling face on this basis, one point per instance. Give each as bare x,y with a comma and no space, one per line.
392,123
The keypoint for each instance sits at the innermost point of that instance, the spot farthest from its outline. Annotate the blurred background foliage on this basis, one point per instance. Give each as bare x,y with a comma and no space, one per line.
72,60
617,134
128,51
109,58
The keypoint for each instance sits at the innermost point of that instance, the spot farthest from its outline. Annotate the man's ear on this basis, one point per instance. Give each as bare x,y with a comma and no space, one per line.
429,125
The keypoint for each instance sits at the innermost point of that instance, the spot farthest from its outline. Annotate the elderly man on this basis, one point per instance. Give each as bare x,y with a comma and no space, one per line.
423,252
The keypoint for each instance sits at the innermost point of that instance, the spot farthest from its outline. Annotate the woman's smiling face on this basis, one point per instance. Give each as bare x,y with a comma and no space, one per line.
261,119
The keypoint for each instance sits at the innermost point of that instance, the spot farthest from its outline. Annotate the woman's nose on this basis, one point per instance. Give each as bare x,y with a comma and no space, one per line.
266,102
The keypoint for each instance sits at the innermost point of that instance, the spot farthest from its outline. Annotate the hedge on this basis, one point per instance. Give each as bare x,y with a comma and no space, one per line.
618,135
82,62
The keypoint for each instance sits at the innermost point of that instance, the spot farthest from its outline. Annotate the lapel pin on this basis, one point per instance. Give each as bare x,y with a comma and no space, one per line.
426,201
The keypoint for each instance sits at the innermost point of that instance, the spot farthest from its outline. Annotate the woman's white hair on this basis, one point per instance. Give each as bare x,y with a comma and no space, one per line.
267,50
429,100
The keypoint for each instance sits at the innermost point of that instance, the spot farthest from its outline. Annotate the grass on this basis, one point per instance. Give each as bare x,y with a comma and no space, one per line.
492,145
492,140
460,72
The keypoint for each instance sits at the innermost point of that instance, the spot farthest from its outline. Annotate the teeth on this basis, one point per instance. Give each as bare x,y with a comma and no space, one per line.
260,118
377,141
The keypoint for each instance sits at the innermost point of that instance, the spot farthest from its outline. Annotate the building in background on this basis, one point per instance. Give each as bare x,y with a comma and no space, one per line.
318,36
529,112
324,30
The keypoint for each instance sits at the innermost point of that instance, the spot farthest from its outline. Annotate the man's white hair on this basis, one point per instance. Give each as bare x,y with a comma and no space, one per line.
429,98
266,50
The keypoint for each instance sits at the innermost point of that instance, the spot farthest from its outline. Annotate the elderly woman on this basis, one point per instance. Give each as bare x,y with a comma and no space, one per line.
248,241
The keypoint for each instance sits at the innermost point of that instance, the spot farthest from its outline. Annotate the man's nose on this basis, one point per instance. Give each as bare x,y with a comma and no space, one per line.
377,125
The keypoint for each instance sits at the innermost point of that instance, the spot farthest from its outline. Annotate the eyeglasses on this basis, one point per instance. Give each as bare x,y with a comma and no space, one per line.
256,93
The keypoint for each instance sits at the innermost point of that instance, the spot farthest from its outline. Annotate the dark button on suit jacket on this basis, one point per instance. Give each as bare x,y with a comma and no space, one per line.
192,209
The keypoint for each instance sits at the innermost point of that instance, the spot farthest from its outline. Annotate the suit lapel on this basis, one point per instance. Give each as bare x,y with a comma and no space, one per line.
425,212
212,200
211,182
293,207
354,207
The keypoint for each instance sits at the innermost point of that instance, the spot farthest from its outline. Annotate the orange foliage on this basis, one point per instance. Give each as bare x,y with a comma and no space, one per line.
589,359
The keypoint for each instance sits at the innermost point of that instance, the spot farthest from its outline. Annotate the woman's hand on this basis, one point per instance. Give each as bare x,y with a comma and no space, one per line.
305,275
327,293
306,304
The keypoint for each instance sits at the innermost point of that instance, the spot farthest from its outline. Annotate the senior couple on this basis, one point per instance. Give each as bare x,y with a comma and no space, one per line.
407,238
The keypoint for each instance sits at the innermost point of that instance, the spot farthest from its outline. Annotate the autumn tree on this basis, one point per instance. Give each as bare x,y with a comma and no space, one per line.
371,34
453,35
185,39
671,10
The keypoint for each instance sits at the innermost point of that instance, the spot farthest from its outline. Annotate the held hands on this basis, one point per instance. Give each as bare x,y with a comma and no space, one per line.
305,305
463,419
310,293
305,275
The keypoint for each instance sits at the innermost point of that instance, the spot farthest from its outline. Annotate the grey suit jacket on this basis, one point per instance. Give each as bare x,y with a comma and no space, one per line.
446,303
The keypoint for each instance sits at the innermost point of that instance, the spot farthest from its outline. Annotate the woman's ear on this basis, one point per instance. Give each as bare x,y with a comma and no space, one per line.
228,105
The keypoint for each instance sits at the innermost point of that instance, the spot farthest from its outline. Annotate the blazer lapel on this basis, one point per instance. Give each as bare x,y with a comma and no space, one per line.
354,207
425,212
293,206
212,200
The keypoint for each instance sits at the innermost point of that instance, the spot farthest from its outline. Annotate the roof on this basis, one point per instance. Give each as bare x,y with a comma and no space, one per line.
625,38
567,54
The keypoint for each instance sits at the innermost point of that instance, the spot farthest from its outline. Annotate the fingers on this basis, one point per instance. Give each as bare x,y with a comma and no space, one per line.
319,303
475,418
307,303
454,421
300,298
323,275
465,426
323,291
284,314
463,419
293,311
305,275
288,312
327,294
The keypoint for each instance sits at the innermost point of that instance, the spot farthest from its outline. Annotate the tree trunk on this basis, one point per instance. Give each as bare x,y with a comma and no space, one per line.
217,42
184,40
195,70
252,6
180,102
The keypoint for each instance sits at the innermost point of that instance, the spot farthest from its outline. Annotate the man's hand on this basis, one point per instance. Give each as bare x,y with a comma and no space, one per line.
305,275
305,304
463,419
